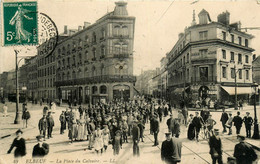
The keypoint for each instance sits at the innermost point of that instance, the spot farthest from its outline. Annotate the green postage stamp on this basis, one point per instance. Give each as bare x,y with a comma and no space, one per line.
19,23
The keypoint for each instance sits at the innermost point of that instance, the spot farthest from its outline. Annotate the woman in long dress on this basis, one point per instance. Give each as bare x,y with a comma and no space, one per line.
191,128
87,119
98,141
106,136
81,127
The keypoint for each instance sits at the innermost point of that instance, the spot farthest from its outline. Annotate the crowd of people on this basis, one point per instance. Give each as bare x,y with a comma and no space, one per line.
114,123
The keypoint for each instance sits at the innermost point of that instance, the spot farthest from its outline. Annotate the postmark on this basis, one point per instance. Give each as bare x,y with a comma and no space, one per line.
20,23
48,34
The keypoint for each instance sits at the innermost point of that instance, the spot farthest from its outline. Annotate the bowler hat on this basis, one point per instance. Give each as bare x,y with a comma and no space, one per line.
168,133
19,131
39,137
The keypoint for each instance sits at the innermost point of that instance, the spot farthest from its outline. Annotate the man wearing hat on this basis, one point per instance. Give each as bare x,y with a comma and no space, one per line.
155,128
238,121
19,143
197,122
42,125
41,149
62,122
50,124
136,138
215,146
244,153
248,123
223,119
171,149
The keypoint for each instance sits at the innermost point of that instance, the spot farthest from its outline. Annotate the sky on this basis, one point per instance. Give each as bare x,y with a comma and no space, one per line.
158,23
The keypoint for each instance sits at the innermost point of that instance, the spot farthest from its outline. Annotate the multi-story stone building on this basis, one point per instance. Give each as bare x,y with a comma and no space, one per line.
209,59
32,76
143,81
46,74
163,77
96,63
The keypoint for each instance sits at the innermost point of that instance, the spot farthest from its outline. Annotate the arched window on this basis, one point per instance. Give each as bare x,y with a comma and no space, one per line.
94,71
124,48
79,73
86,38
102,70
63,76
116,30
94,37
94,54
68,59
125,31
73,75
102,51
68,75
86,72
117,48
103,89
94,90
63,50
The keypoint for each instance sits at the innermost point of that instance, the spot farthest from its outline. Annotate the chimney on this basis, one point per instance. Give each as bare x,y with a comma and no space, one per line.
79,28
224,18
65,29
86,24
193,19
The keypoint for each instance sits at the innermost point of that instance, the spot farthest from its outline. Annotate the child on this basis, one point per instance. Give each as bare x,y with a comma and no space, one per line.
117,142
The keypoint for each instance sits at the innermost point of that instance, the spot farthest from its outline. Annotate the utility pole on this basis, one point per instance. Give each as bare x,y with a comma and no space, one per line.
17,116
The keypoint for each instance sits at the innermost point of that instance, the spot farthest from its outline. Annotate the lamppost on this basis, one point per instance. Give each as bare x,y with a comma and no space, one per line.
256,128
235,87
18,113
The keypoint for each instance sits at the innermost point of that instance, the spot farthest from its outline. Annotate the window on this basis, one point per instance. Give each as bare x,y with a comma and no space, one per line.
94,38
246,42
184,60
247,74
224,72
240,73
203,52
188,57
239,58
232,38
203,35
103,33
224,35
103,89
232,55
239,40
125,30
233,73
246,58
102,51
224,54
116,30
94,54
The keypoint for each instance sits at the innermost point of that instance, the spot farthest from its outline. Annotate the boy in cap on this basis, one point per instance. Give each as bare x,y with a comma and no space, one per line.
41,149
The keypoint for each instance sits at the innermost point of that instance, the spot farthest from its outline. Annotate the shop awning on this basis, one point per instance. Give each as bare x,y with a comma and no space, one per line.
179,90
240,90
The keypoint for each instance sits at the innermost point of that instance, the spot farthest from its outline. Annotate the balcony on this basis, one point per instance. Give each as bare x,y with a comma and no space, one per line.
204,79
97,79
121,55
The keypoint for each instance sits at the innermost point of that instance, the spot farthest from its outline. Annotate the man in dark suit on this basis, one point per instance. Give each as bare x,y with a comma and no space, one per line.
197,122
238,122
171,150
50,124
42,125
41,149
155,128
248,120
170,123
244,153
215,147
136,138
223,119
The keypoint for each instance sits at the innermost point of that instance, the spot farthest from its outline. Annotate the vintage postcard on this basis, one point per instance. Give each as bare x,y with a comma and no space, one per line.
122,81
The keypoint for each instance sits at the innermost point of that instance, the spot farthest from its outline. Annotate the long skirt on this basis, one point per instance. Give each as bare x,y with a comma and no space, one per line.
106,139
81,132
191,132
98,144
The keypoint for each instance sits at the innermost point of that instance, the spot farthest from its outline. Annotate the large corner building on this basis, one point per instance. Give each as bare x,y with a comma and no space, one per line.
95,63
209,60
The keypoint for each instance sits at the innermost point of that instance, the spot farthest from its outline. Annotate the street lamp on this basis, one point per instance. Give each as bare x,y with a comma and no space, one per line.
18,113
256,128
